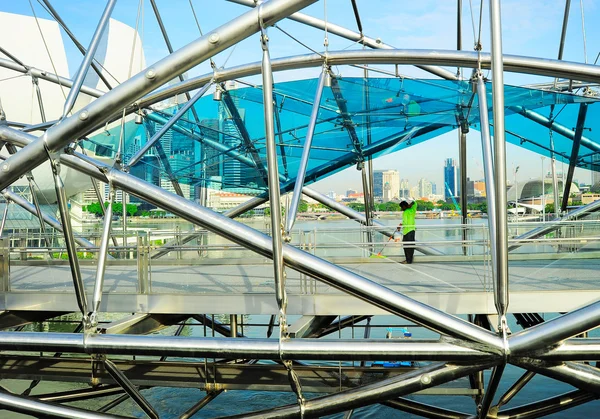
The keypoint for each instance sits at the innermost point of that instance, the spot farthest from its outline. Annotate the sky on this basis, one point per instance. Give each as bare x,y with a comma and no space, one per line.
530,28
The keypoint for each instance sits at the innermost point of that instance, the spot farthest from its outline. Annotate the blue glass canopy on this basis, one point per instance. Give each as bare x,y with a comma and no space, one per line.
358,118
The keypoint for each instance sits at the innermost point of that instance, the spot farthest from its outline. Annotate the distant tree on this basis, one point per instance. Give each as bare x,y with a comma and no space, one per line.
117,208
132,209
356,206
424,205
303,206
440,202
389,207
95,208
445,206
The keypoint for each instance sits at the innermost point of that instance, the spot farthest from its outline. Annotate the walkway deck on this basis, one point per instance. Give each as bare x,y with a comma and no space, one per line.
556,285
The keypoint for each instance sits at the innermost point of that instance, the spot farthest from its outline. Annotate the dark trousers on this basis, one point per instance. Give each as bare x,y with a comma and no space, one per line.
409,250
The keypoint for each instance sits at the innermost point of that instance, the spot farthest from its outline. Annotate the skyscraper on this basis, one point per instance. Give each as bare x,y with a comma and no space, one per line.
404,189
451,176
596,170
386,184
424,188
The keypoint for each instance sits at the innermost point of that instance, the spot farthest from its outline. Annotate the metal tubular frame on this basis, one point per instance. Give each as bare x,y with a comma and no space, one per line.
103,253
310,130
37,408
130,389
163,130
541,349
352,36
501,275
372,393
246,140
273,175
102,109
425,410
574,154
234,348
295,258
80,47
163,30
88,58
462,140
488,167
69,239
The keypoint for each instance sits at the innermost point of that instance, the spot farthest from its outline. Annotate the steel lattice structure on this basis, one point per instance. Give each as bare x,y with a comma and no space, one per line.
554,348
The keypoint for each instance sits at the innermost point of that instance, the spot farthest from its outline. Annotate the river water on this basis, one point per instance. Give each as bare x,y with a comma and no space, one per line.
170,403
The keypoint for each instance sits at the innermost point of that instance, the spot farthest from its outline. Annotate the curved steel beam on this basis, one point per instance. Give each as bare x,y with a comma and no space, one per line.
103,109
512,63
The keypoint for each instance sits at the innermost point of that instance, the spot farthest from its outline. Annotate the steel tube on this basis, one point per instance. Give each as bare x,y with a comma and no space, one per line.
69,240
488,167
273,176
574,154
307,349
466,59
554,126
45,75
163,130
501,291
563,34
4,215
515,388
424,410
462,150
303,262
88,57
80,394
582,376
297,259
102,254
80,47
556,224
38,210
552,331
488,397
39,98
434,374
512,63
163,30
310,130
548,406
353,36
573,350
37,408
102,110
130,389
210,396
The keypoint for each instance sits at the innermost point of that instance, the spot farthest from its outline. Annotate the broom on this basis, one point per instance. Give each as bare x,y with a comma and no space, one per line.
379,255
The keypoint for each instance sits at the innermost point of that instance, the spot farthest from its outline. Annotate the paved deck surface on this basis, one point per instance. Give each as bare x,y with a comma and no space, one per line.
432,277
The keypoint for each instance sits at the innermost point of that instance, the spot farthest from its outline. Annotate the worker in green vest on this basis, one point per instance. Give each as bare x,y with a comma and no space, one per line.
409,210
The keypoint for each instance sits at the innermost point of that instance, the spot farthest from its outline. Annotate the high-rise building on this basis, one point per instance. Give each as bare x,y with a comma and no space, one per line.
386,184
378,184
433,188
404,189
350,192
596,170
424,188
451,179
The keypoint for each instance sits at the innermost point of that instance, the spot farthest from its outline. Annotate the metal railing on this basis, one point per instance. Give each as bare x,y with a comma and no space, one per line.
578,239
